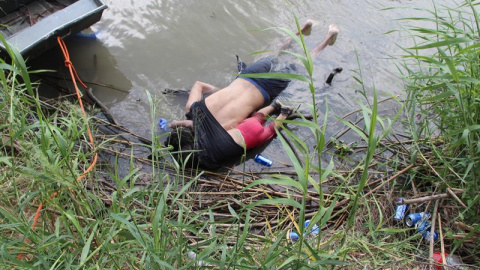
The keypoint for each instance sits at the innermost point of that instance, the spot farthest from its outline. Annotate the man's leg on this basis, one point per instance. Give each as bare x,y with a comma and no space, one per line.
306,30
328,41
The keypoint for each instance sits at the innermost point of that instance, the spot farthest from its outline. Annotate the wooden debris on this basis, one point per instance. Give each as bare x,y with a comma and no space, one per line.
426,198
449,191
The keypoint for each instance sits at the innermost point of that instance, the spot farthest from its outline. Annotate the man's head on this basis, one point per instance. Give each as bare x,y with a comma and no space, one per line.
182,141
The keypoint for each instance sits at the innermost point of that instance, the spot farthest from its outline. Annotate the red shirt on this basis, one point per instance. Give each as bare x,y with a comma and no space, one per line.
253,131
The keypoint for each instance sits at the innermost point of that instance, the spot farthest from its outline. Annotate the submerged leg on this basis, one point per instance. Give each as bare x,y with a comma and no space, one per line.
306,29
329,40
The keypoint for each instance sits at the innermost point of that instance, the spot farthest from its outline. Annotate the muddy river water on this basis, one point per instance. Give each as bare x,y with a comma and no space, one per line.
150,45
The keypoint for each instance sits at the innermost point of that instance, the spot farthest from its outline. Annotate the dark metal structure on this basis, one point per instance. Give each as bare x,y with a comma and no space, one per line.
33,25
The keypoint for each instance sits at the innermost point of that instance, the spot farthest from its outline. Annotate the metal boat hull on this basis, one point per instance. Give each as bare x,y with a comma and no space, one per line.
33,25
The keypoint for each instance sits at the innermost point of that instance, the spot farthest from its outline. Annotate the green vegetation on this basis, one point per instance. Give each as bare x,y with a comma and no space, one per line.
444,97
172,217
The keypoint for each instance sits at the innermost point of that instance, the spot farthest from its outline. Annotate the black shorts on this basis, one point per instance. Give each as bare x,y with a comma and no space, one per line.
270,88
215,144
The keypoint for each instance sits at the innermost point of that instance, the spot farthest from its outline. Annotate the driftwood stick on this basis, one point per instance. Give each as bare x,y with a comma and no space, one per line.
426,198
465,238
101,105
122,128
442,245
449,191
340,134
391,179
359,110
87,82
464,226
432,230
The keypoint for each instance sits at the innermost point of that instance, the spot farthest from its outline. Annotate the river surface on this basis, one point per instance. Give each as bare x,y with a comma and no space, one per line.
150,45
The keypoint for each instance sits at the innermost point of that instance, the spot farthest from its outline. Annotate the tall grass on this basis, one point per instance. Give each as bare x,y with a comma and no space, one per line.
444,96
320,253
164,223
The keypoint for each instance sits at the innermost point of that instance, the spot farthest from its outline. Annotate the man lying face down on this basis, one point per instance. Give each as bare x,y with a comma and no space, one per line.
212,126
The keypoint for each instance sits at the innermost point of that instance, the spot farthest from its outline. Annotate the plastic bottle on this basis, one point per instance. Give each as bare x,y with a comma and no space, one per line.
453,261
163,124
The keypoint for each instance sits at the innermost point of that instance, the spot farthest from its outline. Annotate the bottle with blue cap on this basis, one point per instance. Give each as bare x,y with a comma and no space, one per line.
163,124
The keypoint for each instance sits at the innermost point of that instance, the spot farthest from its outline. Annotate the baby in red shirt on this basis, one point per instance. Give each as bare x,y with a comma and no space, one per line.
252,133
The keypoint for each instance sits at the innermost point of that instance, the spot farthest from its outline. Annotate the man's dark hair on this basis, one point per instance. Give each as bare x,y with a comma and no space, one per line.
182,140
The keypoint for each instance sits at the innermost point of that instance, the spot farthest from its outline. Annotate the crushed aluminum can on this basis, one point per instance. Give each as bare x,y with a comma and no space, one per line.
422,226
263,160
414,218
400,210
424,229
426,235
314,231
293,236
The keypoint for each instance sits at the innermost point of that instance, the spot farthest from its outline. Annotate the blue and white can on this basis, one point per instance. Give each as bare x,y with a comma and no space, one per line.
400,210
263,160
293,236
426,235
314,231
414,218
424,228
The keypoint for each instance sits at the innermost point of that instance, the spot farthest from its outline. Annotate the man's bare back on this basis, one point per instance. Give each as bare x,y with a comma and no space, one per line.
229,105
212,119
234,103
241,98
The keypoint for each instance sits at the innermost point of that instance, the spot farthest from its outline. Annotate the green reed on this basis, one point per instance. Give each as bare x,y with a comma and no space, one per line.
310,254
444,96
148,227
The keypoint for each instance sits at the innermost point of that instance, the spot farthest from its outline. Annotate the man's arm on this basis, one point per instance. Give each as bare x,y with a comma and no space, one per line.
180,123
198,89
208,88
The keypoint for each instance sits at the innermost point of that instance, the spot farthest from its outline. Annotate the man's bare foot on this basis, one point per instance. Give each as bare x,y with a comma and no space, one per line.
307,28
332,34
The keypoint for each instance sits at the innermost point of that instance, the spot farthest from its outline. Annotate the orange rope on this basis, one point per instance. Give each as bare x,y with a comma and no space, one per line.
75,77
